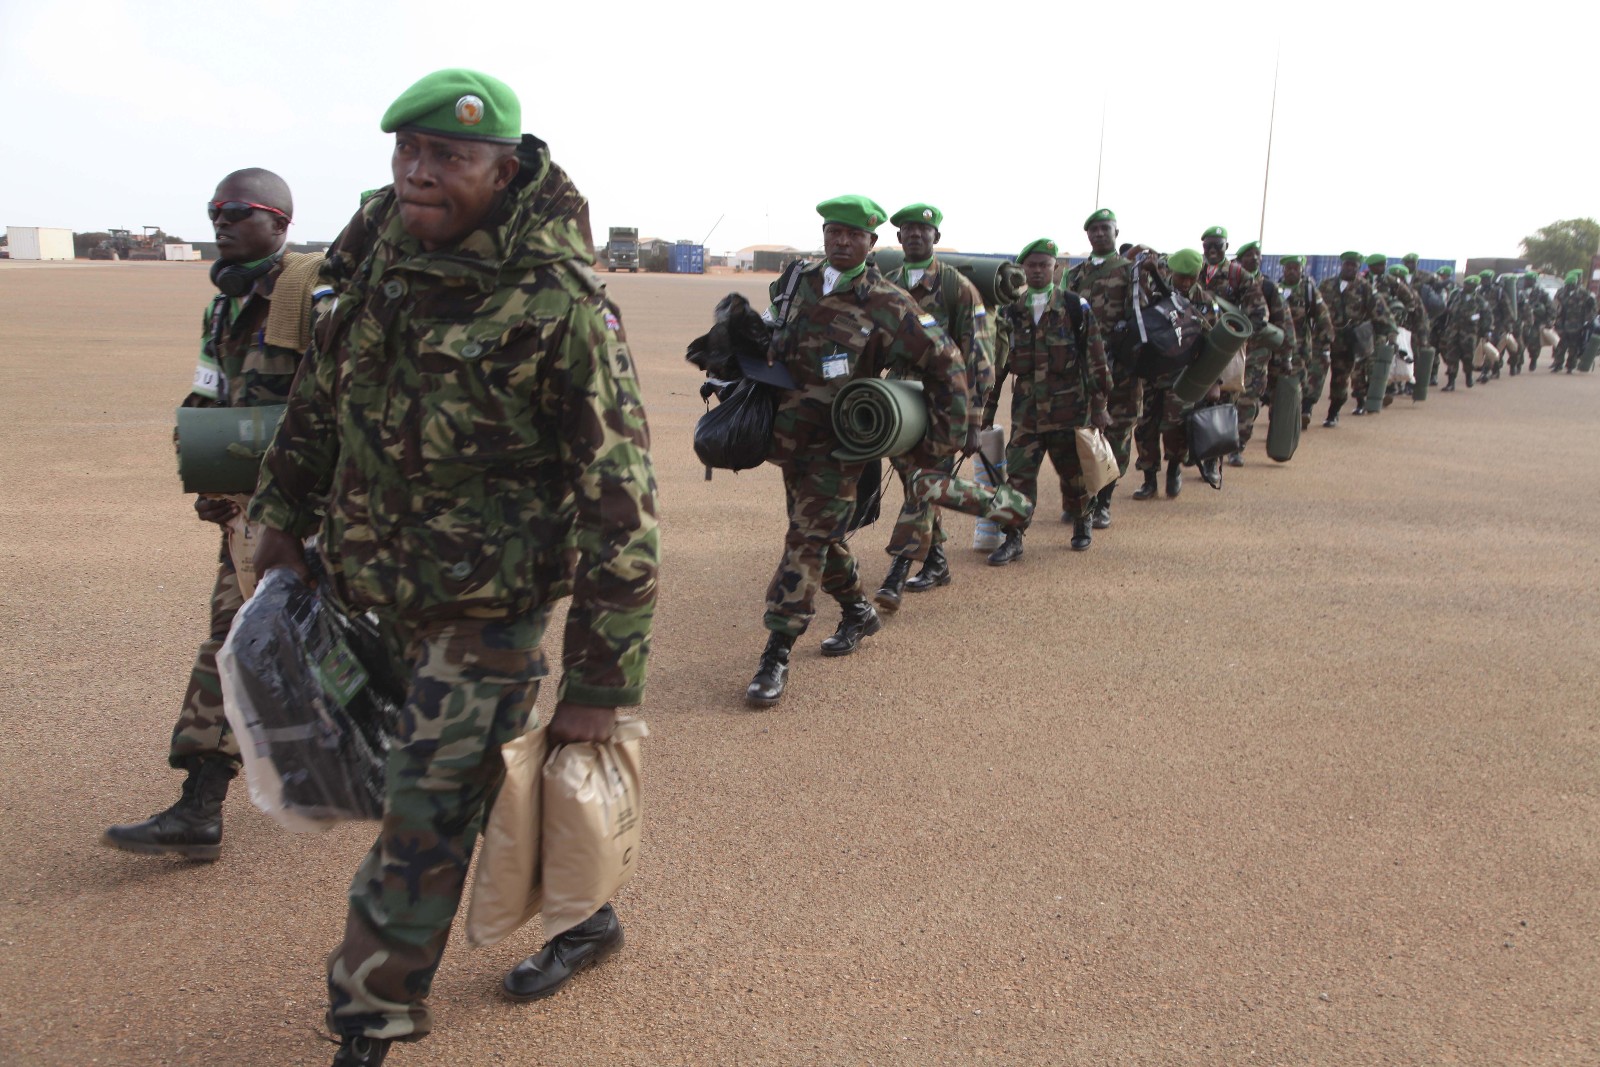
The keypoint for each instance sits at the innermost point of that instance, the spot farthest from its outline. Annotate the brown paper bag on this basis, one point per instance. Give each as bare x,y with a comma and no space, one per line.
1099,463
1484,355
1509,344
592,823
243,536
1233,374
1549,337
506,889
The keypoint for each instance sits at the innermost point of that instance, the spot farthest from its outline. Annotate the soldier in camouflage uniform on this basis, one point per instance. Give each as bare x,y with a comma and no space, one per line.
1574,318
1161,427
957,306
1351,301
1533,309
843,321
250,345
1106,281
1313,332
1502,321
472,416
1049,342
1263,364
1390,284
1466,322
1420,278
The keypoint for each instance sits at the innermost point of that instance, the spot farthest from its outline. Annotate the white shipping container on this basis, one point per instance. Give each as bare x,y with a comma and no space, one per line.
181,253
39,242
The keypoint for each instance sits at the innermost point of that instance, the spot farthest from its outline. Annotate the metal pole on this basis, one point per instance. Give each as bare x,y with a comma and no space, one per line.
1099,166
1266,177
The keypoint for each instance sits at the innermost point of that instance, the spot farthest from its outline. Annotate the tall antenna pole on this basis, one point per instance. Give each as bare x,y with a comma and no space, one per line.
1272,119
1100,164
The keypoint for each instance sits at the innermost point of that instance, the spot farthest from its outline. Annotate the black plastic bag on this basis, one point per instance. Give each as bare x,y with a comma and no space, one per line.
736,435
314,698
869,496
1213,432
1170,337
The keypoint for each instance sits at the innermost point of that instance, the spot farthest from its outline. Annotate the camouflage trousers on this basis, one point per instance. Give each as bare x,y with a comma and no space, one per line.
1340,369
1531,343
1025,454
1160,427
1568,350
472,686
1457,353
1248,402
1313,377
1124,405
821,495
917,530
1003,504
202,729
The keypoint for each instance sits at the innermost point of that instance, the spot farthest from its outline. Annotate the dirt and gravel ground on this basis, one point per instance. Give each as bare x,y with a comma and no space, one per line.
1302,772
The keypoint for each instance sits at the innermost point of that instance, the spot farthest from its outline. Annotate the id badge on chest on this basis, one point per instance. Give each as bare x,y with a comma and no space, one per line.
836,365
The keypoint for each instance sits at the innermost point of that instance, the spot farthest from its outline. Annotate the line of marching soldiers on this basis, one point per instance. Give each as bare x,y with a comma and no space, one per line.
1076,345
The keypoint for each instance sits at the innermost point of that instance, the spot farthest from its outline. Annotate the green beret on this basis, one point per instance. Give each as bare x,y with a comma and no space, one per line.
1350,255
1248,246
1486,275
1409,256
923,213
854,211
1105,214
1377,259
1530,276
1446,271
1470,280
1298,261
1399,272
1574,277
1185,261
1043,244
1215,231
458,103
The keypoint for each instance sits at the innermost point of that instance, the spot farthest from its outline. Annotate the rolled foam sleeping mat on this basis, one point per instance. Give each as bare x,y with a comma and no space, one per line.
1283,419
1378,374
875,418
1590,351
1221,342
998,280
220,449
1269,336
1423,369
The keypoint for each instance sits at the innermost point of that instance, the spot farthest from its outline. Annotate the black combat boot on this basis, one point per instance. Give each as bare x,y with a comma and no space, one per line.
1361,408
1081,536
1333,414
935,572
191,828
1211,472
858,621
1100,513
772,674
1174,478
1009,549
888,596
1148,489
1236,459
361,1051
1449,382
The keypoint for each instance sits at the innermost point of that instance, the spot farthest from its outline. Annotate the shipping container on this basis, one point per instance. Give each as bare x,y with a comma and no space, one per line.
686,258
39,242
182,253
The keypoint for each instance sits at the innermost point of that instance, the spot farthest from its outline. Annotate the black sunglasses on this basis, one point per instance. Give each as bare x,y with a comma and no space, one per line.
237,210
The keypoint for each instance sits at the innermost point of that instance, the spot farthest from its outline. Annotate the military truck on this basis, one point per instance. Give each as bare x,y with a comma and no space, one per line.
622,248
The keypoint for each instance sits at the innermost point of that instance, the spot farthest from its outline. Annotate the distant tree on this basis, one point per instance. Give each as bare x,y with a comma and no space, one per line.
83,243
1562,246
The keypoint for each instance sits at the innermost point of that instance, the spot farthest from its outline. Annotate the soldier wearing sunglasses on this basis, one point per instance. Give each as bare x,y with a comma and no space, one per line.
248,355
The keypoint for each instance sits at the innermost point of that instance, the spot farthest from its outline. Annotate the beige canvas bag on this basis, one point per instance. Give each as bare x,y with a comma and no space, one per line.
506,889
1099,463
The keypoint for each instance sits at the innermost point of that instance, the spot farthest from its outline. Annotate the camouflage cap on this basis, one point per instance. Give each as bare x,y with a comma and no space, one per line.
1215,231
1399,271
1185,261
857,212
1105,214
1377,259
1297,261
1043,244
1248,246
1350,255
926,214
458,103
1446,271
1574,277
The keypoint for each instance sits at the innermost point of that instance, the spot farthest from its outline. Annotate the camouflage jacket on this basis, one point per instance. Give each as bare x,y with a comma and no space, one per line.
1500,309
1061,379
473,416
1278,315
1533,306
1238,286
1356,303
237,367
966,323
1574,308
863,330
1466,319
1395,291
1107,285
1304,300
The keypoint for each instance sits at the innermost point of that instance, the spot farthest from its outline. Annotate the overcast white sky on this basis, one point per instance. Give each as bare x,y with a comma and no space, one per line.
1451,130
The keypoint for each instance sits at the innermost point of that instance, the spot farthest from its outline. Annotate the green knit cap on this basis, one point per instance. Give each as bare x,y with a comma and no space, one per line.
858,212
926,214
458,103
1185,261
1043,244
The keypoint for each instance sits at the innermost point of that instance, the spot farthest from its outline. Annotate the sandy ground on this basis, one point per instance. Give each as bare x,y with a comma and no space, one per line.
1302,772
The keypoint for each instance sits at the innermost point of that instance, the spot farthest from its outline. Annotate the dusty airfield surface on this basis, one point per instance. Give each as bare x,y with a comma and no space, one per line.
1302,772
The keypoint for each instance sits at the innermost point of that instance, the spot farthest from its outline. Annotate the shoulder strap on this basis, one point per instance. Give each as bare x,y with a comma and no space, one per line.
949,289
788,282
